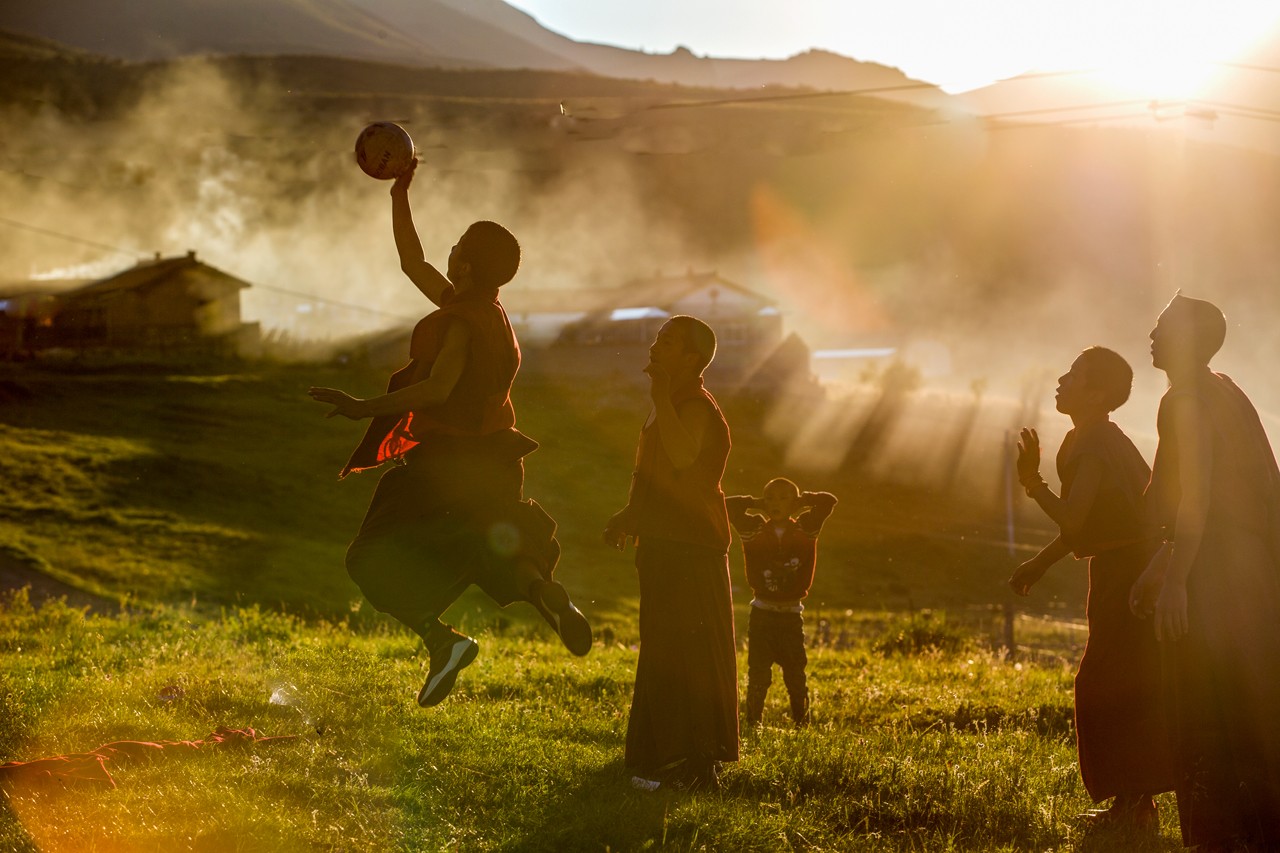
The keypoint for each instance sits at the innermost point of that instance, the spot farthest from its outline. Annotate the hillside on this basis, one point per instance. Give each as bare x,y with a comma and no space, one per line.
166,486
422,33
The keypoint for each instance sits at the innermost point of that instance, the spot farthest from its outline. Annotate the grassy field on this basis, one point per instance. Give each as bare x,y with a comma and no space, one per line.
207,504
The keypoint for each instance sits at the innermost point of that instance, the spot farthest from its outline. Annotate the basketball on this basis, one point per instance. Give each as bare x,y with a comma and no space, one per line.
384,150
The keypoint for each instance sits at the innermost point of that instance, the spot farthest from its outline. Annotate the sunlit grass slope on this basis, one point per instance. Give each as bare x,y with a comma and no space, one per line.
912,749
221,488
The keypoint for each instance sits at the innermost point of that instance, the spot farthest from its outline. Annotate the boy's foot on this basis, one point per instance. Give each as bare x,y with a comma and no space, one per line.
1140,814
642,784
553,603
447,660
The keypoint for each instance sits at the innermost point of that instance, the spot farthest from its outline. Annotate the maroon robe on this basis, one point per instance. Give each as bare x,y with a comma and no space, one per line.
685,705
453,513
1121,736
1224,675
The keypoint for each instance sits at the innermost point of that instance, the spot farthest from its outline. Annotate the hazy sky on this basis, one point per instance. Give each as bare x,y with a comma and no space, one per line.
1158,47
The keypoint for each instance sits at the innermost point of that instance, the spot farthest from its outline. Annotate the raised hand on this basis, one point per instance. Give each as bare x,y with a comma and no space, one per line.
1028,457
402,181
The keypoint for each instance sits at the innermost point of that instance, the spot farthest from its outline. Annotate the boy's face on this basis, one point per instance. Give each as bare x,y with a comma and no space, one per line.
779,503
669,351
458,267
1074,396
1167,338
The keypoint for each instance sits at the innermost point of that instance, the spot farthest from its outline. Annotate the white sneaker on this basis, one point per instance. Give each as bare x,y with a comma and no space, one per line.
446,663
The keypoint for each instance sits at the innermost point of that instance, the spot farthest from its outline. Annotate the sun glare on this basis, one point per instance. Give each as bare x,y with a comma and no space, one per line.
1172,50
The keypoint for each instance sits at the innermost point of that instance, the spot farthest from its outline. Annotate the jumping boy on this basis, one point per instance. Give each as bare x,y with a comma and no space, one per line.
453,512
779,533
1120,731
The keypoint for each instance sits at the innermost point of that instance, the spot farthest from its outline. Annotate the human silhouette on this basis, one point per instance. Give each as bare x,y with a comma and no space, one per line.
684,711
779,532
1213,589
1121,738
453,513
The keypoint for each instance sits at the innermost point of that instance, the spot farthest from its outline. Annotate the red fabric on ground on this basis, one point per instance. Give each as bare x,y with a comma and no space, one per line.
90,767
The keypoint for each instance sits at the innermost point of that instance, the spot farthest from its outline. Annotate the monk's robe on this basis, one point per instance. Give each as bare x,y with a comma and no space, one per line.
1224,675
1121,736
684,710
451,512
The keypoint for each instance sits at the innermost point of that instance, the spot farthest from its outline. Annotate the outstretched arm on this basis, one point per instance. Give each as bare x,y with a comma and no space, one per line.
1026,575
432,391
413,260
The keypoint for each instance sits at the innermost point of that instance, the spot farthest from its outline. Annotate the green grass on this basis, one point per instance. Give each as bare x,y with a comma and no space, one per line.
931,751
170,486
207,503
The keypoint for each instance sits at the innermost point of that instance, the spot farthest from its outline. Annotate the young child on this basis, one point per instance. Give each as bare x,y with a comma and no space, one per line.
779,532
1120,734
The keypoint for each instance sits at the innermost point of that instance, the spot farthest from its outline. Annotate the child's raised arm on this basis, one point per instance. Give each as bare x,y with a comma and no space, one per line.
739,516
818,508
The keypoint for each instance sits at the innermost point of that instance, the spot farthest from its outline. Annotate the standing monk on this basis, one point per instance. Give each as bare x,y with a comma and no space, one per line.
1120,734
452,512
1214,588
684,712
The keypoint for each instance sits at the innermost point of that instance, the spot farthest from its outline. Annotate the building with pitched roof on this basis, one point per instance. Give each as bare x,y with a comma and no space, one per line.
169,305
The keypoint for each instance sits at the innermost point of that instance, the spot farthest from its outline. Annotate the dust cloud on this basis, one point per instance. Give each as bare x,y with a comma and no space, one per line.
983,256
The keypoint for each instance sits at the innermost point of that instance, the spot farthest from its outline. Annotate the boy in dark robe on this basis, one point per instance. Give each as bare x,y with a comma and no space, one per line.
1120,734
1214,588
779,532
684,711
452,512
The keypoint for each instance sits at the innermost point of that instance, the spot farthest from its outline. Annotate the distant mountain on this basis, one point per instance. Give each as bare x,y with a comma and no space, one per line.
429,33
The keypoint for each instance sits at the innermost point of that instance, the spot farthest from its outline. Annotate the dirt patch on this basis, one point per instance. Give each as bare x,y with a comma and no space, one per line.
16,573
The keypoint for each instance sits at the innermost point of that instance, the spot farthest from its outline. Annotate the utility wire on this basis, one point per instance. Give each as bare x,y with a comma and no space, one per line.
134,254
48,233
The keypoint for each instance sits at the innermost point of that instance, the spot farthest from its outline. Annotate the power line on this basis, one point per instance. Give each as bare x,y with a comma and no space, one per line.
134,254
68,237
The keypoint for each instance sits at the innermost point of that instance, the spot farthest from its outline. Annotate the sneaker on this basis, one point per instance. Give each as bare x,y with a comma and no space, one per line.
573,628
446,662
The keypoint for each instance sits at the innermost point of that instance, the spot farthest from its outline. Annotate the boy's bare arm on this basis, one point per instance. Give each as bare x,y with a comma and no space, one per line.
413,260
1026,575
432,391
1195,470
680,430
1070,514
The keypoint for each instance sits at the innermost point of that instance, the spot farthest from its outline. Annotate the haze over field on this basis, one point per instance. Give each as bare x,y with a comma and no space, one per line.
983,250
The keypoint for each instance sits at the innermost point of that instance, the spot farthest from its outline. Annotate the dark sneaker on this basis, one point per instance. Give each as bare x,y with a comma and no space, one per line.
446,662
574,629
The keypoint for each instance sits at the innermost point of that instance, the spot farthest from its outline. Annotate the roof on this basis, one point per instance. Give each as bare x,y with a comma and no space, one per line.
657,291
40,287
151,272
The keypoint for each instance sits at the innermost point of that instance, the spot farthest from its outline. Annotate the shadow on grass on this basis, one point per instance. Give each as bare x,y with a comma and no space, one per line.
600,810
